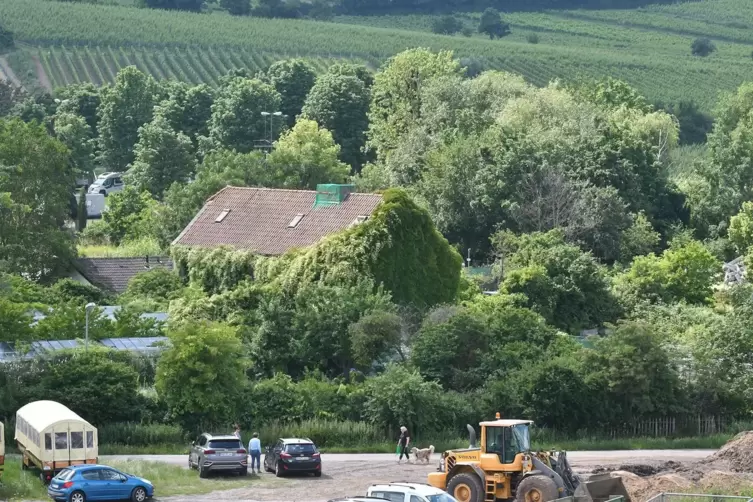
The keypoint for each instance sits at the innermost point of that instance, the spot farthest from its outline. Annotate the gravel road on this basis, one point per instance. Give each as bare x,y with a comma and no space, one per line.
350,474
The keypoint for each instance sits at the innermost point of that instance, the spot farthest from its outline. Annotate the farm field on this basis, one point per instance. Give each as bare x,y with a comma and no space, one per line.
647,47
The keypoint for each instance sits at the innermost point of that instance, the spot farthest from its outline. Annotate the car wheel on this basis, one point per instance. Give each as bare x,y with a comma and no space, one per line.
77,497
243,472
278,470
138,495
103,192
203,473
317,474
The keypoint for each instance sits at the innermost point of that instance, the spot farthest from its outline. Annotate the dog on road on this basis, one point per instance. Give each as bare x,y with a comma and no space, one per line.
423,454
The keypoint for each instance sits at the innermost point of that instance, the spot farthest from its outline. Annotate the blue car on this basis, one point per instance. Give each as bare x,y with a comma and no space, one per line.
82,483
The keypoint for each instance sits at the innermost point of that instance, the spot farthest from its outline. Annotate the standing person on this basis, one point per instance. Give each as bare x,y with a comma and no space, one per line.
403,443
237,431
254,449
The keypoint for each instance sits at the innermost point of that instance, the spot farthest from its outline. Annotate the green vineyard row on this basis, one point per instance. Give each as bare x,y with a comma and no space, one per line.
80,64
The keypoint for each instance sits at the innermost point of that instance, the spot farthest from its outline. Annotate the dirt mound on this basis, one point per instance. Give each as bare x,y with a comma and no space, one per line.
636,486
737,453
730,482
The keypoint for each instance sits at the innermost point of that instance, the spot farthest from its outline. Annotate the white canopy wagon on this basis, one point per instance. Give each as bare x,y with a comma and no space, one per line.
52,437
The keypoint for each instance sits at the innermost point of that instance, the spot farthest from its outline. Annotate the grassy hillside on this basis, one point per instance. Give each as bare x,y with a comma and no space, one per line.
648,47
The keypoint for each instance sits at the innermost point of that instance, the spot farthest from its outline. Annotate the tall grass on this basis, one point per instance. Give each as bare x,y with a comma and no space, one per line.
141,247
140,435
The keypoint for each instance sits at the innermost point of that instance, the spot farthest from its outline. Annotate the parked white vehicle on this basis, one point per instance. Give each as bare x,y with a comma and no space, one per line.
107,183
408,492
95,205
51,437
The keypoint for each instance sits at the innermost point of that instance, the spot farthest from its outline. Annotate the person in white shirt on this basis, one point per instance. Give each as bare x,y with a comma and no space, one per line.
254,449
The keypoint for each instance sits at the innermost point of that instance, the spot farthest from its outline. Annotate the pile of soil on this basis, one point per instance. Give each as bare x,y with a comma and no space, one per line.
729,470
737,454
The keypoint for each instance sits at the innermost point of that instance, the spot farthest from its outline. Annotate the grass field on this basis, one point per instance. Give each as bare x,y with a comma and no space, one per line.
648,47
167,479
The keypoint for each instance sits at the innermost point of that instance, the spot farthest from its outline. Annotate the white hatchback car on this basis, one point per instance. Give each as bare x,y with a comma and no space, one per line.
408,492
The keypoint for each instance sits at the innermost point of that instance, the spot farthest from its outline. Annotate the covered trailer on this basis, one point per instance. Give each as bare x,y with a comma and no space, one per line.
51,437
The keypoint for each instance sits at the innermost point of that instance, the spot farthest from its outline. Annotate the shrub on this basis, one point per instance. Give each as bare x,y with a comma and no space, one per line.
532,38
325,433
702,47
135,434
447,25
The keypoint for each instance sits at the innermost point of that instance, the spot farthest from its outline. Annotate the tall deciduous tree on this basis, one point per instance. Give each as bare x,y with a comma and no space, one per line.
82,100
491,23
237,7
237,120
125,107
340,104
306,156
162,157
73,131
203,360
35,182
293,79
188,110
395,96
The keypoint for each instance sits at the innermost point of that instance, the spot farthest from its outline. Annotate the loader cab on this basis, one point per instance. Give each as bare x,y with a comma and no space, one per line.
505,442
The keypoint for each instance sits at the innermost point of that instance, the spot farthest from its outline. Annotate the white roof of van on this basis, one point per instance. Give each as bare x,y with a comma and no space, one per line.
42,414
505,422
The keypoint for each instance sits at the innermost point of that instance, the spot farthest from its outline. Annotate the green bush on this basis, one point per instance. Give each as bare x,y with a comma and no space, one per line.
135,434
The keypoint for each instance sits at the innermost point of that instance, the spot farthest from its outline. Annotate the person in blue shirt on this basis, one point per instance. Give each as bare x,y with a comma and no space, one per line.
254,449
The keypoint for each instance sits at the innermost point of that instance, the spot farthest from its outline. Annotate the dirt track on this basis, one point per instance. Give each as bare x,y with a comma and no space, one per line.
350,474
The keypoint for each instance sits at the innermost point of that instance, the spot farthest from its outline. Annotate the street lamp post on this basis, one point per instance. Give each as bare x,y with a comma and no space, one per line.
89,307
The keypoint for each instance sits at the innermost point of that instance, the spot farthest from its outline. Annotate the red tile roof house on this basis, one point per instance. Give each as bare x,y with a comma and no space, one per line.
271,221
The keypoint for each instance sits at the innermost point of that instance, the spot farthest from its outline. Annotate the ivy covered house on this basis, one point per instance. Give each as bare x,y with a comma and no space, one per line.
271,222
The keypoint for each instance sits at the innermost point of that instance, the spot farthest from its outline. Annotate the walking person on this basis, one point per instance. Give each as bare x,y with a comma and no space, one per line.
254,449
403,444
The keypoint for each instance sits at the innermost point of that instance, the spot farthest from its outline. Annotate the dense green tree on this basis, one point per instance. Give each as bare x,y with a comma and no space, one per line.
633,372
307,156
130,215
159,285
237,121
203,360
81,211
162,157
73,131
447,25
190,5
613,93
82,100
35,182
491,23
293,79
188,110
340,104
562,283
15,321
354,70
684,272
125,107
702,47
395,95
237,7
741,228
375,337
9,96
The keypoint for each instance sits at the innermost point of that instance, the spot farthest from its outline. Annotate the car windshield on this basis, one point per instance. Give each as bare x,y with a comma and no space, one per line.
225,444
442,497
65,474
522,437
300,448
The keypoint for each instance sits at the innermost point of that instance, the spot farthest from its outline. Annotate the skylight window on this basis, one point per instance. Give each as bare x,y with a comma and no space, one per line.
222,215
295,221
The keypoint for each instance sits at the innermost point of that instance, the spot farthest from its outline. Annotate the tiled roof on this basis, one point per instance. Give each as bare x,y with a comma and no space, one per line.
263,219
113,274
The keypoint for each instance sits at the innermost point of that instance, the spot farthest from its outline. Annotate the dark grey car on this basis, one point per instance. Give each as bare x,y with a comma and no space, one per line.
218,453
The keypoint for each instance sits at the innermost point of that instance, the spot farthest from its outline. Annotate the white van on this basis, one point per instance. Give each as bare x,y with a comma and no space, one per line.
95,205
107,183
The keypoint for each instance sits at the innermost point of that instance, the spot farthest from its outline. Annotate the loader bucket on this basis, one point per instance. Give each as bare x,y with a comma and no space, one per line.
601,488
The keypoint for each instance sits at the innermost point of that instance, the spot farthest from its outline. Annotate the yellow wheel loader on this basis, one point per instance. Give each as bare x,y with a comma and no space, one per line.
503,467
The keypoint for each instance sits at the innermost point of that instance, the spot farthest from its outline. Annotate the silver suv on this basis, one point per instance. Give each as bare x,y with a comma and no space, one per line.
218,453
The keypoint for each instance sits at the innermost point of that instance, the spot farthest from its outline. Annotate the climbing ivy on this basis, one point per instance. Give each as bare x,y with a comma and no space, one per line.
214,270
398,247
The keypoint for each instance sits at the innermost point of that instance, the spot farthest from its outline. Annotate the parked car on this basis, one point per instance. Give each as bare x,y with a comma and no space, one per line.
107,183
293,455
218,453
87,482
357,499
408,492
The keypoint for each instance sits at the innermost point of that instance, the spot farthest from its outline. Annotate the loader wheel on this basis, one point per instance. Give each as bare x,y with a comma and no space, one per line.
466,488
536,489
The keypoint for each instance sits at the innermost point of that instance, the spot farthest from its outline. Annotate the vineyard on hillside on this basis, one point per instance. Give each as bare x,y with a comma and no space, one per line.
65,65
75,42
